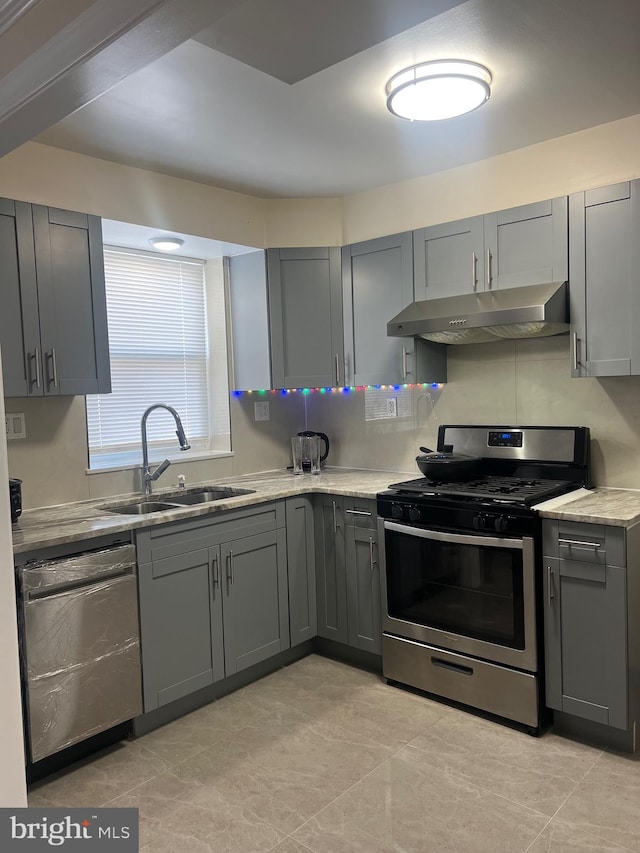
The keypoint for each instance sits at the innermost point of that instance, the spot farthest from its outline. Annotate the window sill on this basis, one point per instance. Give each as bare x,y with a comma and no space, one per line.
198,456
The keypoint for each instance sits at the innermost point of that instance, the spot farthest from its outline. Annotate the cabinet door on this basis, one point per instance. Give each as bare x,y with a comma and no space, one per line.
586,640
448,258
301,570
526,245
19,326
604,255
377,283
180,612
305,311
330,568
249,321
256,618
71,296
363,589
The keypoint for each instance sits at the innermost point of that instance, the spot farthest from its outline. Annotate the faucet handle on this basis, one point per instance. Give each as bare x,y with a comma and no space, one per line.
162,467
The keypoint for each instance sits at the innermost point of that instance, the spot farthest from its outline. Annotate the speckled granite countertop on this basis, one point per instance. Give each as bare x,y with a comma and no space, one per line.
618,507
57,525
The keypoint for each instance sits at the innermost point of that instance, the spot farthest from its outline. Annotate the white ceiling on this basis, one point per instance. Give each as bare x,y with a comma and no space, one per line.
116,233
559,66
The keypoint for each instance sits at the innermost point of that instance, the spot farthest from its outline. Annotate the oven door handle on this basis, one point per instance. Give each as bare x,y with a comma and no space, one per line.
456,538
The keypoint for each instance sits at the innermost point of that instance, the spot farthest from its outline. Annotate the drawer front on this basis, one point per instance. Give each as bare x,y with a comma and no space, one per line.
360,512
601,544
169,540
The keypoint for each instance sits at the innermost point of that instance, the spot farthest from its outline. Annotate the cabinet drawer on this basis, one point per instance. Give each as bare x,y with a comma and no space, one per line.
360,512
169,540
584,543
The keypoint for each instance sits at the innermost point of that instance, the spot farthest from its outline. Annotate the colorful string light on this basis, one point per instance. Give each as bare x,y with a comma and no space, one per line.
347,389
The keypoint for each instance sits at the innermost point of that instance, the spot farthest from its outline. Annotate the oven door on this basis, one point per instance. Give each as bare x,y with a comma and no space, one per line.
472,594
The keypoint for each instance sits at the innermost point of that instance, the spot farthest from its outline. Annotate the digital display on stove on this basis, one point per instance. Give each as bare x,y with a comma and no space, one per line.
505,439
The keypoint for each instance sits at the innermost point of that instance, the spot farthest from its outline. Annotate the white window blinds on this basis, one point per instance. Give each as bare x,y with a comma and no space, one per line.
159,354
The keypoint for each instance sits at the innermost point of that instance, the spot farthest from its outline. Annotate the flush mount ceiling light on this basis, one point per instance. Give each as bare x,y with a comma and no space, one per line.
436,90
166,244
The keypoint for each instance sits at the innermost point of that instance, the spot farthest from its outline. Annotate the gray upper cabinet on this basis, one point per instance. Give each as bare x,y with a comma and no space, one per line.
526,245
248,301
19,329
377,283
305,317
447,258
54,325
604,246
511,248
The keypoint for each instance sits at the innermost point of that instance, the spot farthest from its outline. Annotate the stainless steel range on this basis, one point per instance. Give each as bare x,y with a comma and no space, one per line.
461,573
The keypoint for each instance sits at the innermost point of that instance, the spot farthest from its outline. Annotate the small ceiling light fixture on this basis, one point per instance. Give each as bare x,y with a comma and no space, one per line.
442,88
166,244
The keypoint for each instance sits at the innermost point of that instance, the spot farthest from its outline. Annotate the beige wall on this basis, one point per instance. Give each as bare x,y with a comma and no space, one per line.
531,378
579,161
507,382
52,460
590,158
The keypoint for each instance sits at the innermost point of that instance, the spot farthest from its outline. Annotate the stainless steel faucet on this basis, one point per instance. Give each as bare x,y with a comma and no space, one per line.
147,476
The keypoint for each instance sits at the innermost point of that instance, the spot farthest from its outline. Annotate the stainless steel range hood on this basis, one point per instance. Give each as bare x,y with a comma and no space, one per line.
536,311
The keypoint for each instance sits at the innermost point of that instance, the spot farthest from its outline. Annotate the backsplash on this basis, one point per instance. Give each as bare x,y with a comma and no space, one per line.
507,382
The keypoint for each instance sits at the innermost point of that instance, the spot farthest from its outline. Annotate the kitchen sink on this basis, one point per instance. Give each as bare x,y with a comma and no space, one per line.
141,508
186,497
203,496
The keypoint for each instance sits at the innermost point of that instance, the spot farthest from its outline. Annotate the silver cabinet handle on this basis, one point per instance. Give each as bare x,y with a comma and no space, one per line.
549,585
53,378
335,521
574,349
489,273
372,562
474,271
337,369
580,543
230,567
216,571
404,364
357,512
35,357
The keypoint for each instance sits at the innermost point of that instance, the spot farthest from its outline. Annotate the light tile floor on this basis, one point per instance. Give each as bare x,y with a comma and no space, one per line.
323,757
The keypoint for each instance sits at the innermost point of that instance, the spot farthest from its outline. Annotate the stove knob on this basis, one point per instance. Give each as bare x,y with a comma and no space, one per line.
500,523
396,510
414,513
478,522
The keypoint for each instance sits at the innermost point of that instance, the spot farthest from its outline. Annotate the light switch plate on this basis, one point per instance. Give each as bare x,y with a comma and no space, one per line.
15,426
261,411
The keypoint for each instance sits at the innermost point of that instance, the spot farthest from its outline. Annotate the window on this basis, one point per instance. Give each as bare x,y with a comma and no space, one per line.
157,307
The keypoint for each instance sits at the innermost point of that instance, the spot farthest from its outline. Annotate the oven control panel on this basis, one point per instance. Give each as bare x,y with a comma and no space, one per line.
504,439
451,515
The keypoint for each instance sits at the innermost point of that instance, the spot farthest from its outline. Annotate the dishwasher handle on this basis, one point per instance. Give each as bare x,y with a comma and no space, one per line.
48,577
76,586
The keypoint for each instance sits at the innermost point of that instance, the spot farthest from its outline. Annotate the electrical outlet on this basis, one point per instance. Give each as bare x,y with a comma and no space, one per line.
14,423
392,407
261,411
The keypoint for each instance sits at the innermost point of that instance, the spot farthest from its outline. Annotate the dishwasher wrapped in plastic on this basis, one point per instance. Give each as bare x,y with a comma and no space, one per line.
81,646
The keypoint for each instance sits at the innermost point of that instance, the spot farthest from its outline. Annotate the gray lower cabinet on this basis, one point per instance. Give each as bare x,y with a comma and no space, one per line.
54,326
510,248
604,247
305,317
301,563
331,583
212,600
363,577
592,642
347,572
